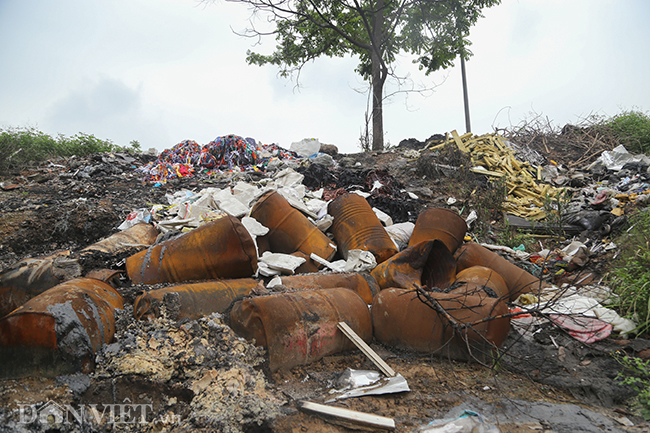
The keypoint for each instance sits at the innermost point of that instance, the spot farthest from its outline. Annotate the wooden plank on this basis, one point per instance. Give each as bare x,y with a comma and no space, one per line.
349,415
487,172
371,354
458,141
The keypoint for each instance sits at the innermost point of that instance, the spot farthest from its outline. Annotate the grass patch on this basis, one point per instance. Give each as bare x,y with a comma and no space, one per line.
631,272
25,147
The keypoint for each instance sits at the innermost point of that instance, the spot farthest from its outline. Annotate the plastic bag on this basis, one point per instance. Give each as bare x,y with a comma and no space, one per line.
467,422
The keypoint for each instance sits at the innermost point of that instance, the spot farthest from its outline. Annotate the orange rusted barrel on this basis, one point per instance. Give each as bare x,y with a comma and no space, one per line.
400,319
60,330
481,281
428,263
32,276
362,283
518,280
138,236
356,226
192,301
289,229
218,249
439,223
301,327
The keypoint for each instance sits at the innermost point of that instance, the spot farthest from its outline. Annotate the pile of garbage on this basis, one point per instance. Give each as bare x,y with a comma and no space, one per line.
303,272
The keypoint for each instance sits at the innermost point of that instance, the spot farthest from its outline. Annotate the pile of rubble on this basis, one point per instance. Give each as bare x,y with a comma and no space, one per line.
282,264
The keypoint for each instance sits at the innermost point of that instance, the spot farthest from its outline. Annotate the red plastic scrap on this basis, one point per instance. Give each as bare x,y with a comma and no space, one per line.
583,328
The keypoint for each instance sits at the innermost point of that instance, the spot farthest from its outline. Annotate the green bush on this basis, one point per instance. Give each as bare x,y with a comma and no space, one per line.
631,272
23,147
632,128
636,373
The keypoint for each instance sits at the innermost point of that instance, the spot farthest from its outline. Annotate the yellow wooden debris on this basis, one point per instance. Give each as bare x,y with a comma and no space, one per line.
458,141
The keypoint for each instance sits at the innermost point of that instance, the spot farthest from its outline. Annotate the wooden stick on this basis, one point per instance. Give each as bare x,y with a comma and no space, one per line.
349,415
371,354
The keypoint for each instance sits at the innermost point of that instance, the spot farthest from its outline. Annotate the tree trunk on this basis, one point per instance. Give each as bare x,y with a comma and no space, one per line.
378,77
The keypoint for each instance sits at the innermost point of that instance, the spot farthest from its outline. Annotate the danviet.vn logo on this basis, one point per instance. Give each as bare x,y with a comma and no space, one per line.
54,414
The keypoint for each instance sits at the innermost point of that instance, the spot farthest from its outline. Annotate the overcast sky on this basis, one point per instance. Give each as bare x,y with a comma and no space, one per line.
163,71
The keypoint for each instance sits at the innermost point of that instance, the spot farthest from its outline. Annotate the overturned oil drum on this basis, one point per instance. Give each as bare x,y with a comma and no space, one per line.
289,229
32,276
138,236
218,249
400,319
60,330
428,263
356,226
481,281
360,282
301,327
439,223
192,301
518,280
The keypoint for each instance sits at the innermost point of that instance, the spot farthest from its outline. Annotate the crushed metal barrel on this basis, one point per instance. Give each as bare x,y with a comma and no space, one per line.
448,325
428,263
32,276
301,327
137,236
222,248
60,330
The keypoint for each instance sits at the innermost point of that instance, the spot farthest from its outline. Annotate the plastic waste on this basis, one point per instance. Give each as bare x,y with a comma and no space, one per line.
467,422
305,147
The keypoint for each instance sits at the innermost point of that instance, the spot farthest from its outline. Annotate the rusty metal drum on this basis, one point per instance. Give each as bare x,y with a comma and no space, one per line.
518,280
400,319
356,226
60,330
301,327
289,229
439,223
192,301
481,281
360,282
222,248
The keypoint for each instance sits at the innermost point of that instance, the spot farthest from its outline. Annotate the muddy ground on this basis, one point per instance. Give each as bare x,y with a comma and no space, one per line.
199,376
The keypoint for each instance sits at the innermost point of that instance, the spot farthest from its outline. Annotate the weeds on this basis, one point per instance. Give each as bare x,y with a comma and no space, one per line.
631,272
632,129
556,211
23,147
636,373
